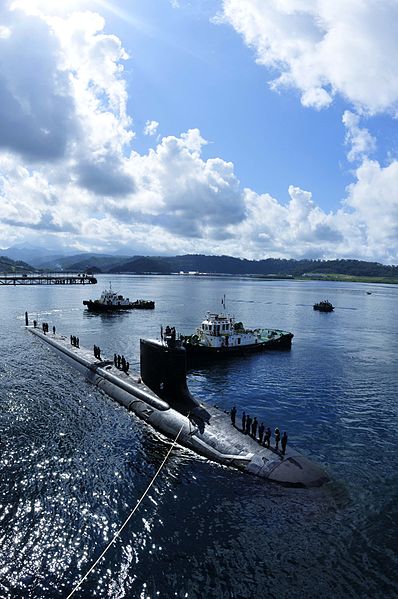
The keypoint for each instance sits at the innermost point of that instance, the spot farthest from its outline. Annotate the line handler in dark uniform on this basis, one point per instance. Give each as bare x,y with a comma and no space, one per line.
233,415
284,442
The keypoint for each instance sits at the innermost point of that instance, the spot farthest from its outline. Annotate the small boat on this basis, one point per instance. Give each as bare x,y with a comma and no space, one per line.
110,301
220,334
324,306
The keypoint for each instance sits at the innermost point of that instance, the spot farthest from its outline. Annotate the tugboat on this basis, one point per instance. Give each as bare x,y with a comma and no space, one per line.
324,306
220,334
110,301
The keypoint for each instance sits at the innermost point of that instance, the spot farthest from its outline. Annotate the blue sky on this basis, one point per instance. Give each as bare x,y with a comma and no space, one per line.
189,72
237,127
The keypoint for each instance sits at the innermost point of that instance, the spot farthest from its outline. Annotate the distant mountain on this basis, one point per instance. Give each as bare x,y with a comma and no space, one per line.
142,265
238,266
32,254
112,263
279,267
91,262
14,266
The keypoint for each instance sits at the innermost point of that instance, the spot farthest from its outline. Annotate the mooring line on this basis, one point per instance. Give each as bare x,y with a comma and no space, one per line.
117,534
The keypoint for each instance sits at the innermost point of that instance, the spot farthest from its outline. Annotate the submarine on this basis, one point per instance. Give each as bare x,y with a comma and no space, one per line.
159,395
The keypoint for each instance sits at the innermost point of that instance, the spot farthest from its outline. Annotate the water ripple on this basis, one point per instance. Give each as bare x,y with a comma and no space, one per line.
74,464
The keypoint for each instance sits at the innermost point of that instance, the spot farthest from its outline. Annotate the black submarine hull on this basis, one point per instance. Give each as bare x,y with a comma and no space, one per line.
160,396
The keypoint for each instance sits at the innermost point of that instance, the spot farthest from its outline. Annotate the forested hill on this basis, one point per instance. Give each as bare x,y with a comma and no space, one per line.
14,266
237,266
199,263
272,266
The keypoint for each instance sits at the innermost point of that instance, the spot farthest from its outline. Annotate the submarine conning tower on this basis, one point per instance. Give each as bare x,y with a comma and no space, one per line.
164,371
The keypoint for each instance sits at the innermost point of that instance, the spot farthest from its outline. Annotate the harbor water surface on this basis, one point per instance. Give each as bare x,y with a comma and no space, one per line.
73,463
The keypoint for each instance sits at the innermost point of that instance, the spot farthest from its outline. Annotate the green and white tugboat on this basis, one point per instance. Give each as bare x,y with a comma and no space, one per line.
220,334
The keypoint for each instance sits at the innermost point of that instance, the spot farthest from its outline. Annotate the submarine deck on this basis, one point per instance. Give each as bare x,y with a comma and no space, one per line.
215,438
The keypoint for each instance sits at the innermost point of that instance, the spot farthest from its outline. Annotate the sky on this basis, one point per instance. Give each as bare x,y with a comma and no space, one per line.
250,128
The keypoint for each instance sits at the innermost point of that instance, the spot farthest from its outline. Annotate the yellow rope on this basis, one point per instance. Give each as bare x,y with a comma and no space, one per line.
117,534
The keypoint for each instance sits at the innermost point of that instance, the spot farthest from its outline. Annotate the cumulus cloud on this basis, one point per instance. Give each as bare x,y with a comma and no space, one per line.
151,127
5,32
323,48
63,97
25,195
183,193
94,63
74,176
297,229
183,203
374,199
361,141
36,100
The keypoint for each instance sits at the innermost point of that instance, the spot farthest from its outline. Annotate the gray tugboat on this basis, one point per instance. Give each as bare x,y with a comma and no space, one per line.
110,301
160,396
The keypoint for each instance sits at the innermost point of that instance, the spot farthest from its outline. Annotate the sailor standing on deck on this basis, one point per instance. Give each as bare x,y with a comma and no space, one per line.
277,438
243,422
254,428
284,442
261,433
233,415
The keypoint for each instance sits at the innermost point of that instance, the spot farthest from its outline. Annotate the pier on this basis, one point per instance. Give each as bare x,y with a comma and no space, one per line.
47,279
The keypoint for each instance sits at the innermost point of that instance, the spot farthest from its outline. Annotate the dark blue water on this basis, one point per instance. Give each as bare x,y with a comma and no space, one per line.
73,463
